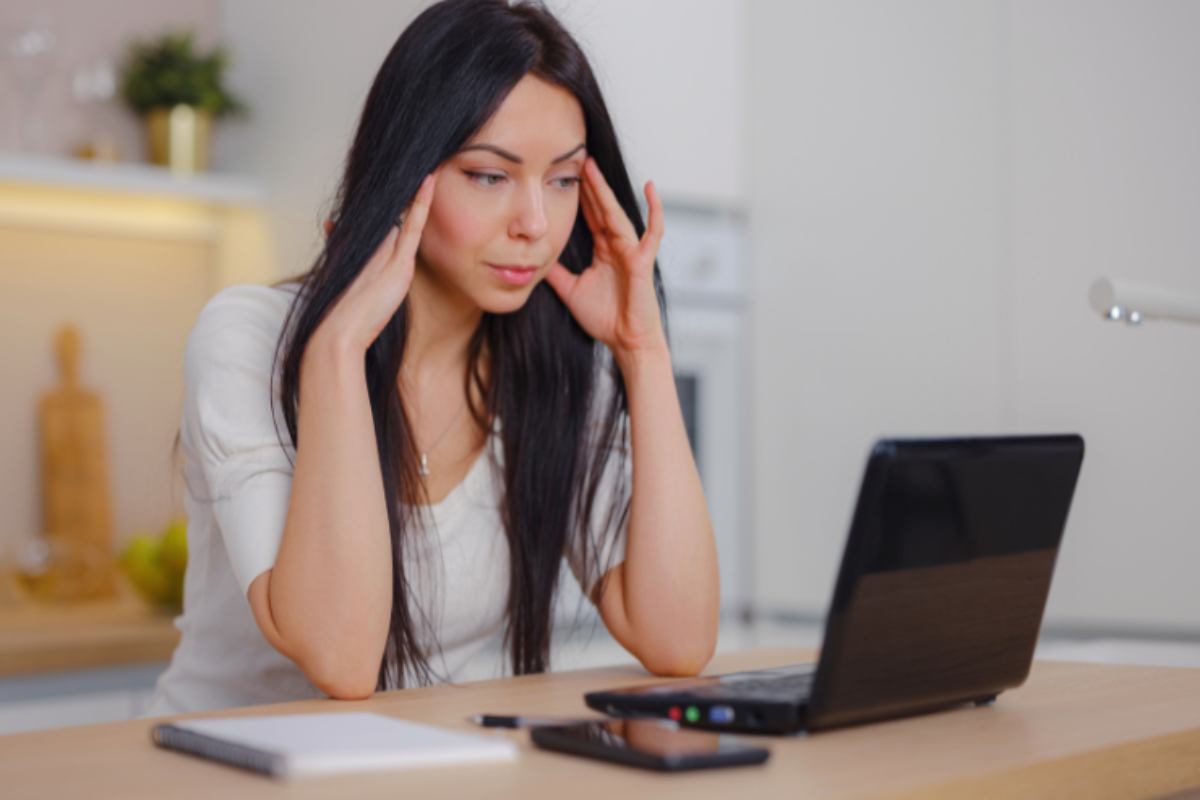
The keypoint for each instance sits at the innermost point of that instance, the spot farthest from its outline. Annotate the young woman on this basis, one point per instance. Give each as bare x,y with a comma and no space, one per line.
390,458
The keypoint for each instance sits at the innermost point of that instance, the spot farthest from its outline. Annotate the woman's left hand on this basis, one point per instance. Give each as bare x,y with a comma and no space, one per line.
614,299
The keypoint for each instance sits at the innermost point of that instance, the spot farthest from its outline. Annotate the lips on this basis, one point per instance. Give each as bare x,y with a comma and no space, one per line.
514,274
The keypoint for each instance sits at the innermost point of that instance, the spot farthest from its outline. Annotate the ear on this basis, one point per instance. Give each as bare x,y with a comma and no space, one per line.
328,226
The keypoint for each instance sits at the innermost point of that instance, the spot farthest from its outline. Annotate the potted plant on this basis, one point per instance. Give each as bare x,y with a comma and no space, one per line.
178,92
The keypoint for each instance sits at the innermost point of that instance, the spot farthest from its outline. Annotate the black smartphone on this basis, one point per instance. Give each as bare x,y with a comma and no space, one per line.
648,743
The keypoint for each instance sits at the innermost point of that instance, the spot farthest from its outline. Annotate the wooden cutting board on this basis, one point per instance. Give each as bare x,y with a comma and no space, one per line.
76,507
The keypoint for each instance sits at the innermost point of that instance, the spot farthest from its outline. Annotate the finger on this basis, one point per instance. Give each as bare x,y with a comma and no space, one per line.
601,236
654,219
592,213
562,281
614,216
414,220
422,196
602,225
383,253
604,237
612,244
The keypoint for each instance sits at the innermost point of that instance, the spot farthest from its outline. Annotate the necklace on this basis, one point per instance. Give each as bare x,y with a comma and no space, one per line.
423,467
423,470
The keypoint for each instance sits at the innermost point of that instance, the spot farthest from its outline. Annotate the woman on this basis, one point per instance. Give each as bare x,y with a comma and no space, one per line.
390,458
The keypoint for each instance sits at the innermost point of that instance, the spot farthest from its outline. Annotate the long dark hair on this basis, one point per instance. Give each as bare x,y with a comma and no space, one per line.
535,369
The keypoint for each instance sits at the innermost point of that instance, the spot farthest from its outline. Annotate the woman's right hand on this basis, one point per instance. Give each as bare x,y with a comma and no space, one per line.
363,309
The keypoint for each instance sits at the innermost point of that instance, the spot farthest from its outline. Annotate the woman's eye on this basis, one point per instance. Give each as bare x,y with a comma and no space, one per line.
494,179
484,178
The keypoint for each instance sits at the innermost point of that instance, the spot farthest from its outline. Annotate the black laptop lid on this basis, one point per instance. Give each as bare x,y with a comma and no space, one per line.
945,575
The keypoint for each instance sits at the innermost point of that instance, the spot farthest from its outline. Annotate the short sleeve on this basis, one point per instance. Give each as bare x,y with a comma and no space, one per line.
594,551
237,446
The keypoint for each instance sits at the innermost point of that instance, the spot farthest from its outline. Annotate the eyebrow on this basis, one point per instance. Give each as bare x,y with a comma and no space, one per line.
513,157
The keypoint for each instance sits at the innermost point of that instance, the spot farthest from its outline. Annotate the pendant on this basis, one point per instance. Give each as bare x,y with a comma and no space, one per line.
424,468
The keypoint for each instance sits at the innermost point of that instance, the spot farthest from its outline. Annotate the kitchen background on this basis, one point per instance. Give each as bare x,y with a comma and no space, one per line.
883,219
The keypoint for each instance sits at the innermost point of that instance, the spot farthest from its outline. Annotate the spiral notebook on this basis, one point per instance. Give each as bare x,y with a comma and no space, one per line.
303,745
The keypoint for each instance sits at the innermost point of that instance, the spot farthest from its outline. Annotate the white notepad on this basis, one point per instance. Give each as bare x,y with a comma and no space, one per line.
299,745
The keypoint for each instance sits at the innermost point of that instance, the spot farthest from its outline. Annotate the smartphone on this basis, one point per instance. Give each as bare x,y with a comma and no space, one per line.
648,743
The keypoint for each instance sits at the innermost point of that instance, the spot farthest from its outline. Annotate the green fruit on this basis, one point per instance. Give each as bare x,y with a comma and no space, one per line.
173,550
141,563
141,549
173,594
156,565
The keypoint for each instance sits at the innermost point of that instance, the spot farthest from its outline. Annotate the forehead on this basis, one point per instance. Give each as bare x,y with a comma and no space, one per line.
537,121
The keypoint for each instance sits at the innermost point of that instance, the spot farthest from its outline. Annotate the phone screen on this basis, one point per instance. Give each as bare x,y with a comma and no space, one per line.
658,744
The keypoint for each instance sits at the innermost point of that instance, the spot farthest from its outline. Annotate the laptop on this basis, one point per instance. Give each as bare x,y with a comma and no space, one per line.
938,601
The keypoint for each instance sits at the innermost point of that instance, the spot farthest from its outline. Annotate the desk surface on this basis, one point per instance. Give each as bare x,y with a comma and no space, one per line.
1080,729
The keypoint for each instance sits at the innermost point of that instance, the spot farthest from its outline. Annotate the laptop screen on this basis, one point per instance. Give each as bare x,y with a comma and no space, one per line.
945,575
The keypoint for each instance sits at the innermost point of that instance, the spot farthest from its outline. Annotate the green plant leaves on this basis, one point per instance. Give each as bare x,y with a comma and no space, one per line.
167,71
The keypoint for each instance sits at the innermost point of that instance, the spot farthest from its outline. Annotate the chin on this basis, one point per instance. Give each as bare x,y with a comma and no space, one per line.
506,301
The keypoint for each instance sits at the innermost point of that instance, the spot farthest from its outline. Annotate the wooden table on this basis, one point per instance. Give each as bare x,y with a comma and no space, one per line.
1073,730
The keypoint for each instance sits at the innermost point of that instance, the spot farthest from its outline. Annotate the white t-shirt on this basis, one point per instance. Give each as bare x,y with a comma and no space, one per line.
238,480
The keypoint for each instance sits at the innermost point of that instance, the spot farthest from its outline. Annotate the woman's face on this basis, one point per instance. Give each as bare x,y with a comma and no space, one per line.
505,203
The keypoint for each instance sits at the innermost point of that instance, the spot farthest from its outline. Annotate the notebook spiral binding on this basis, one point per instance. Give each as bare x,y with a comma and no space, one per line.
237,755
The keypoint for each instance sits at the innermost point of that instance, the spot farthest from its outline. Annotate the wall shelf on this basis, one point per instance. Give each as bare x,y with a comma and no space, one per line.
128,178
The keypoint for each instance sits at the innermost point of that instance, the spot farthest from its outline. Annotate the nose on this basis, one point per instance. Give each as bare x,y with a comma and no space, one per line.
529,217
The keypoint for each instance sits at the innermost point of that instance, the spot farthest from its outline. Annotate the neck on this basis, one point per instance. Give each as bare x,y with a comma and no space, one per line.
441,323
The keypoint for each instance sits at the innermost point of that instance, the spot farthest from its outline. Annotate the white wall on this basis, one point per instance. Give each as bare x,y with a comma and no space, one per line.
306,67
875,223
1105,180
933,186
673,74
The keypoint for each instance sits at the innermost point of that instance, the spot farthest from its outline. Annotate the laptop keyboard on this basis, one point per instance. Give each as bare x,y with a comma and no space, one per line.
789,683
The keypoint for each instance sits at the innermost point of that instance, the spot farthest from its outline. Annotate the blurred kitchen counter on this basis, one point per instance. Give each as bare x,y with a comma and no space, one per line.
41,637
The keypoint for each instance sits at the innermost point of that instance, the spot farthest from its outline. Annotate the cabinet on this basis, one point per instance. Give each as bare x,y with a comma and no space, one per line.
78,664
80,697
